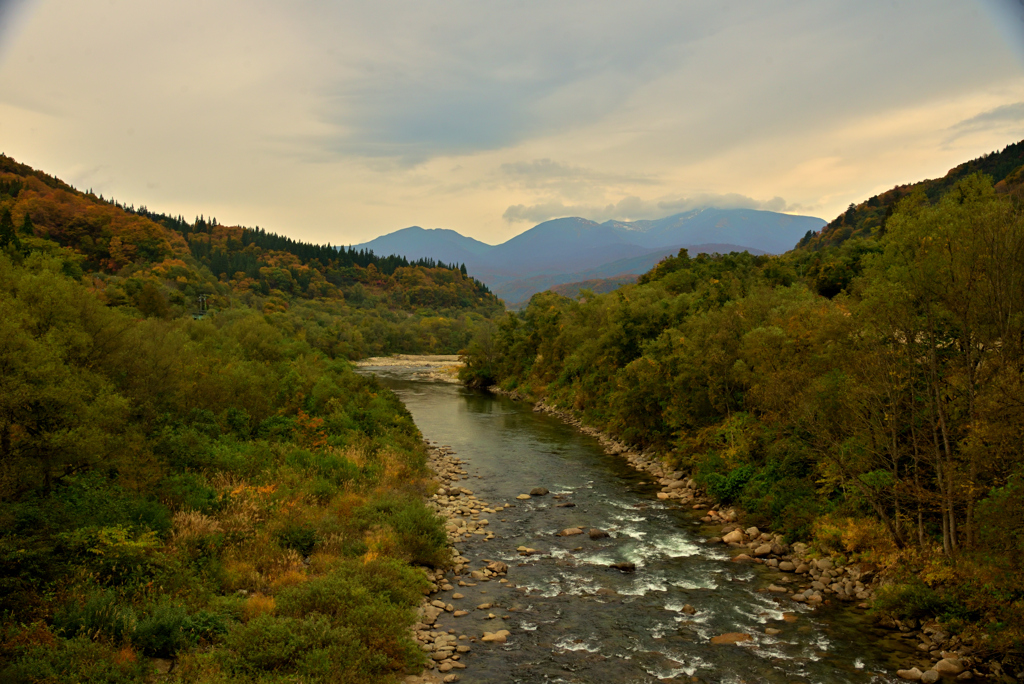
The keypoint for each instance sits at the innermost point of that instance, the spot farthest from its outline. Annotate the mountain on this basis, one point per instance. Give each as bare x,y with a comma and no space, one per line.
572,249
428,243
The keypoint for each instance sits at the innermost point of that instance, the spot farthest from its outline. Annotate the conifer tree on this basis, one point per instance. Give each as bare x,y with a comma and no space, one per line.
26,226
7,234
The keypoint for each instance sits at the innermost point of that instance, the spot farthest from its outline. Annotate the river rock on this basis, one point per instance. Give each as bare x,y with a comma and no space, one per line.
538,491
771,631
624,566
731,638
929,676
823,564
742,558
570,532
949,666
762,550
689,610
498,637
786,566
752,532
497,566
457,595
776,589
911,675
734,537
523,497
597,534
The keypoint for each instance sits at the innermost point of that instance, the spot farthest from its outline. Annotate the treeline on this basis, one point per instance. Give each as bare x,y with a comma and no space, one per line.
883,421
305,251
167,267
871,216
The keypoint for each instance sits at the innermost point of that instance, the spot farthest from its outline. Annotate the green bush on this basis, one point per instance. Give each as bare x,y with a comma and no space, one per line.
728,488
73,660
190,491
297,536
99,615
913,599
272,643
164,632
420,531
372,603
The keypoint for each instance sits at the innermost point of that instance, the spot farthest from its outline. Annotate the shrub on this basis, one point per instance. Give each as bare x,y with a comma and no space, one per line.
297,536
74,660
190,491
419,530
168,628
278,643
913,599
164,632
727,488
99,615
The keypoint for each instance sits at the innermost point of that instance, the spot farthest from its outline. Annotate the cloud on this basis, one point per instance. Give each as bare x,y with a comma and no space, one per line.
634,208
1008,116
568,181
471,75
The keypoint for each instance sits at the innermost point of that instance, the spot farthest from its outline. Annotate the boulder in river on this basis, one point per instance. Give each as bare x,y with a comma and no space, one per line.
741,558
570,532
624,566
734,537
565,505
538,491
763,550
497,566
911,675
731,638
929,676
949,666
523,497
597,534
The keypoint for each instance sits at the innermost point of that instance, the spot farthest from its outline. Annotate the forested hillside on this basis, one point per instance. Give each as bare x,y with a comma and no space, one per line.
350,303
207,481
883,421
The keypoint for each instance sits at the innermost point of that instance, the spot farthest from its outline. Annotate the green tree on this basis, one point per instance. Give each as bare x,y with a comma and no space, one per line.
7,234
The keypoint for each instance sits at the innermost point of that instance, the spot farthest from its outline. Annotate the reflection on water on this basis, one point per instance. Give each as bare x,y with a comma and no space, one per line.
575,620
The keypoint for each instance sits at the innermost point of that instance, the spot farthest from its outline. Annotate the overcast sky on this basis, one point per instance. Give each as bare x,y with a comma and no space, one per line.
340,121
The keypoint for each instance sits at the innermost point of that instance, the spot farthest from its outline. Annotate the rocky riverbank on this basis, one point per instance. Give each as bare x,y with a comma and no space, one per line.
805,574
433,367
448,648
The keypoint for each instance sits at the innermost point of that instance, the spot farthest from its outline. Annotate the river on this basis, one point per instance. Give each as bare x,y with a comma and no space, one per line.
571,618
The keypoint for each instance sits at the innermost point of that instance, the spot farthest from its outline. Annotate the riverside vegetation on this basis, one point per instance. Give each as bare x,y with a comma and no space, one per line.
209,490
880,420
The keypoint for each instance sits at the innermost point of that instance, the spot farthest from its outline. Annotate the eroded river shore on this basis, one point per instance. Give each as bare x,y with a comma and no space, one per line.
610,570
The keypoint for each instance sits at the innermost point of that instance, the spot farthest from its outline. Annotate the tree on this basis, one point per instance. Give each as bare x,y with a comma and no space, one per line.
26,226
7,234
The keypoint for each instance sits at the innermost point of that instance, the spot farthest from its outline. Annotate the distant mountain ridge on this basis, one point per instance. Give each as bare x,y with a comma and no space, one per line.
573,249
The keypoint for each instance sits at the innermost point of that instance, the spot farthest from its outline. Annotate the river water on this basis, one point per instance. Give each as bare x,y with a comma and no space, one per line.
571,617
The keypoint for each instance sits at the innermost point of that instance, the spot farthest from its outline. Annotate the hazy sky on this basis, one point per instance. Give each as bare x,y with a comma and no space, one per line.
340,121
